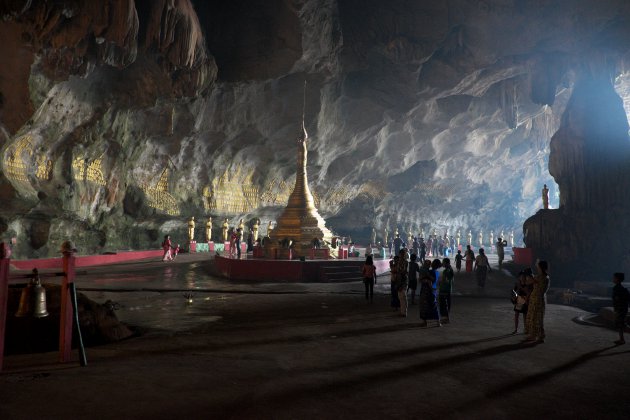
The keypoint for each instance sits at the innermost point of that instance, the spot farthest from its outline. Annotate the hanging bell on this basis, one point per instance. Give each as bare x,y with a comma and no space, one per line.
33,299
39,300
25,307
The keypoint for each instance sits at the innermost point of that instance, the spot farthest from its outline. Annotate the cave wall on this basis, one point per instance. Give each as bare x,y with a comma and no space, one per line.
125,118
585,238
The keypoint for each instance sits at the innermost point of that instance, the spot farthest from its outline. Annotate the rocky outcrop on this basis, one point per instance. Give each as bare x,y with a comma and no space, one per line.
434,115
589,160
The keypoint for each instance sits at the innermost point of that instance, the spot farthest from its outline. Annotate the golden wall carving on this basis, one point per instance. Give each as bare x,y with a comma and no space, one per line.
232,193
90,172
16,159
158,196
276,193
44,168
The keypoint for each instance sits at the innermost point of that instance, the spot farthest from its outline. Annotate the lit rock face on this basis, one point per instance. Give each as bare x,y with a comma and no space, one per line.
586,238
432,113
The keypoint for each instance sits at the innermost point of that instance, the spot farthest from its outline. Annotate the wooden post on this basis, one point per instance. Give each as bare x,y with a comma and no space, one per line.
4,295
65,318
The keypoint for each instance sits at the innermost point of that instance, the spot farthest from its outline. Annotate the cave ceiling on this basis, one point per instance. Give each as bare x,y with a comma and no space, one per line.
123,118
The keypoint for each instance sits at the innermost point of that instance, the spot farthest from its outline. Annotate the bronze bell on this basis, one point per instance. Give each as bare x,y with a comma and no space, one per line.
39,300
25,307
33,299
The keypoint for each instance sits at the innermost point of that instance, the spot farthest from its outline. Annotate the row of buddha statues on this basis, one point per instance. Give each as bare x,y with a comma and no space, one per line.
225,228
434,235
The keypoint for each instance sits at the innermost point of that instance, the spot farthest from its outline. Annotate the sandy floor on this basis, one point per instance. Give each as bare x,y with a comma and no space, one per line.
317,351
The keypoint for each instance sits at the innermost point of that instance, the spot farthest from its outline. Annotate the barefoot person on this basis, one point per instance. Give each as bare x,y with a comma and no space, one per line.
426,299
620,299
413,277
166,247
536,305
482,266
369,277
521,292
469,255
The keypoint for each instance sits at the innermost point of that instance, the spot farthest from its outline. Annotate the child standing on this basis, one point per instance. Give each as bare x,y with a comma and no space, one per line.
445,289
620,299
458,260
369,277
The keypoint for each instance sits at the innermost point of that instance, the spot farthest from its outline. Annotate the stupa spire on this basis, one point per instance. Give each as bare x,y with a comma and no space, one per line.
304,134
300,223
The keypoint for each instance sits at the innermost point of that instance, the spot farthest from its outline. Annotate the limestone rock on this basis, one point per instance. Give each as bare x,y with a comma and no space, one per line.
421,114
589,161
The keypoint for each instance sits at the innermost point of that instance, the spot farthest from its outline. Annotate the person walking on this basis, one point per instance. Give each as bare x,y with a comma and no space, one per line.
445,288
620,299
402,280
369,278
423,250
458,260
536,310
520,295
393,267
470,258
414,268
166,247
482,267
426,299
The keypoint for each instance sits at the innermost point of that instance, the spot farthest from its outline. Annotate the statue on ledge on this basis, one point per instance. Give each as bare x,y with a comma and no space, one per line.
191,229
545,197
224,230
255,229
209,230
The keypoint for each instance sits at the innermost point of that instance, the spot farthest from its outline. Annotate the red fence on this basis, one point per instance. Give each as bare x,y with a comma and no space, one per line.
87,260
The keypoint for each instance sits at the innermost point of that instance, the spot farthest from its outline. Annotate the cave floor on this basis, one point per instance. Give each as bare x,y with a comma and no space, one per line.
316,351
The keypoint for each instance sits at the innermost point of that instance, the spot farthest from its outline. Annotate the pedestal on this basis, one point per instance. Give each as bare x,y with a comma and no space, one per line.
192,246
211,246
258,252
523,256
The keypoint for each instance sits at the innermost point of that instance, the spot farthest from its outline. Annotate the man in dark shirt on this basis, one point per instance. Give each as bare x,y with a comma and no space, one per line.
620,299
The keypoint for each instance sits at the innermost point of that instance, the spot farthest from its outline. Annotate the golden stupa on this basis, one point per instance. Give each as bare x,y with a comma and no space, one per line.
300,223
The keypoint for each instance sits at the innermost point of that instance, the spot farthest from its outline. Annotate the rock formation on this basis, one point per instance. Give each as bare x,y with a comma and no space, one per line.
122,119
585,238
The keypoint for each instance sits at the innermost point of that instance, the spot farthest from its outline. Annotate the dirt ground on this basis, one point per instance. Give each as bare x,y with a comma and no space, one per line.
323,352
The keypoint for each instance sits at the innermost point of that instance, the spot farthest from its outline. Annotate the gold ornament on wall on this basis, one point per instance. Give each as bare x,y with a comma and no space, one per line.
158,196
232,192
16,158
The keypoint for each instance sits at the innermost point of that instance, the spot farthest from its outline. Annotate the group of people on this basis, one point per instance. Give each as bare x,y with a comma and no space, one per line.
434,298
528,297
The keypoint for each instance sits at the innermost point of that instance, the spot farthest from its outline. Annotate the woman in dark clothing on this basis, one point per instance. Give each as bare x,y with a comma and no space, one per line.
426,300
369,278
413,277
520,295
394,283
